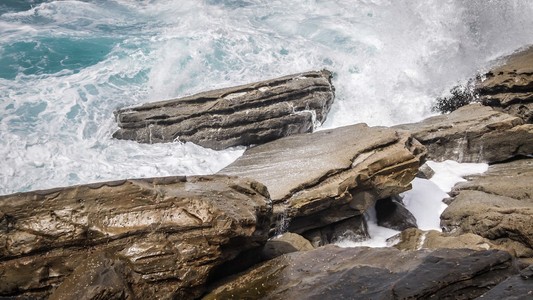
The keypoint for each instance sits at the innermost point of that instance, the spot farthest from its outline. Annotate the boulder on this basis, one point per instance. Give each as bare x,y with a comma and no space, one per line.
286,243
496,205
473,133
332,175
509,86
149,238
331,272
352,229
244,115
392,213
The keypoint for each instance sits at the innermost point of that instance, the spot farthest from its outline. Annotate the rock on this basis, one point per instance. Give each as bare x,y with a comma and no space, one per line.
244,115
331,272
473,133
285,243
425,172
496,205
332,175
150,238
352,229
509,86
517,287
415,239
391,213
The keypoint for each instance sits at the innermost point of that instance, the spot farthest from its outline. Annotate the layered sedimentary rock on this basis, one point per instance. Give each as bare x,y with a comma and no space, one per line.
509,86
371,273
328,176
244,115
144,238
473,133
496,205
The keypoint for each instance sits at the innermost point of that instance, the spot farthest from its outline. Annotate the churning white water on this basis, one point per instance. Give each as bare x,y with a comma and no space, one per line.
65,66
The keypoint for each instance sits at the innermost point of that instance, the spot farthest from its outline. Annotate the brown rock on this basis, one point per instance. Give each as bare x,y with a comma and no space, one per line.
509,86
473,133
285,243
150,238
496,205
244,115
371,273
328,176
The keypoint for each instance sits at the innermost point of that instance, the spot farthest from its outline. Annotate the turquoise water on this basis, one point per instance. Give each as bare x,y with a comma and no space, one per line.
65,66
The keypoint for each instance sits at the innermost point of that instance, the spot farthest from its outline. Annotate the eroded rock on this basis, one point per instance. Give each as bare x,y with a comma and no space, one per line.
392,213
473,133
151,238
509,86
331,272
244,115
353,229
286,243
496,205
332,175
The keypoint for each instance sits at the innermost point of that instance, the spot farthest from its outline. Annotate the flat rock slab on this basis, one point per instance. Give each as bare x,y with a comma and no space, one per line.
473,133
509,86
496,205
328,176
244,115
371,273
147,238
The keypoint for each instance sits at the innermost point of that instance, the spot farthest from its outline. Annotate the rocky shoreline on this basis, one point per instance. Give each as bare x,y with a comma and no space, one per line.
217,236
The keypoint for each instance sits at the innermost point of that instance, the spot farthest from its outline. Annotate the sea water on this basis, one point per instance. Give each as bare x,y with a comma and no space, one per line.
65,66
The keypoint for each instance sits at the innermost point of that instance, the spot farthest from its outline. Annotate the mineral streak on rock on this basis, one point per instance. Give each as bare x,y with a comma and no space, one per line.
148,237
325,177
244,115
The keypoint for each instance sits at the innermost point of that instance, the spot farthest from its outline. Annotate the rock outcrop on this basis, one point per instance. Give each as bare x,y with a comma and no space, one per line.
496,205
517,287
509,87
145,238
244,115
332,175
331,272
473,133
415,239
352,229
392,213
286,243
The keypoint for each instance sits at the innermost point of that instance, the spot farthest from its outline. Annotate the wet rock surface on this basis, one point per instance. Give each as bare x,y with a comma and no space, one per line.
473,133
328,176
150,238
331,272
244,115
496,205
392,213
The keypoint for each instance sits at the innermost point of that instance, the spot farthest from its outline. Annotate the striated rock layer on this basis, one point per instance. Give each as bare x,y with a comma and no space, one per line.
332,175
473,133
244,115
371,273
496,205
141,238
509,87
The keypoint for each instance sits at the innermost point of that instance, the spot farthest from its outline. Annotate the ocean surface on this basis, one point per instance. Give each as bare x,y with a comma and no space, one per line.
65,66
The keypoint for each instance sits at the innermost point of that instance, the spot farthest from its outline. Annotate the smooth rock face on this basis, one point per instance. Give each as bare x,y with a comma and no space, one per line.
518,287
150,238
244,115
415,239
509,87
328,176
371,273
496,205
473,133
